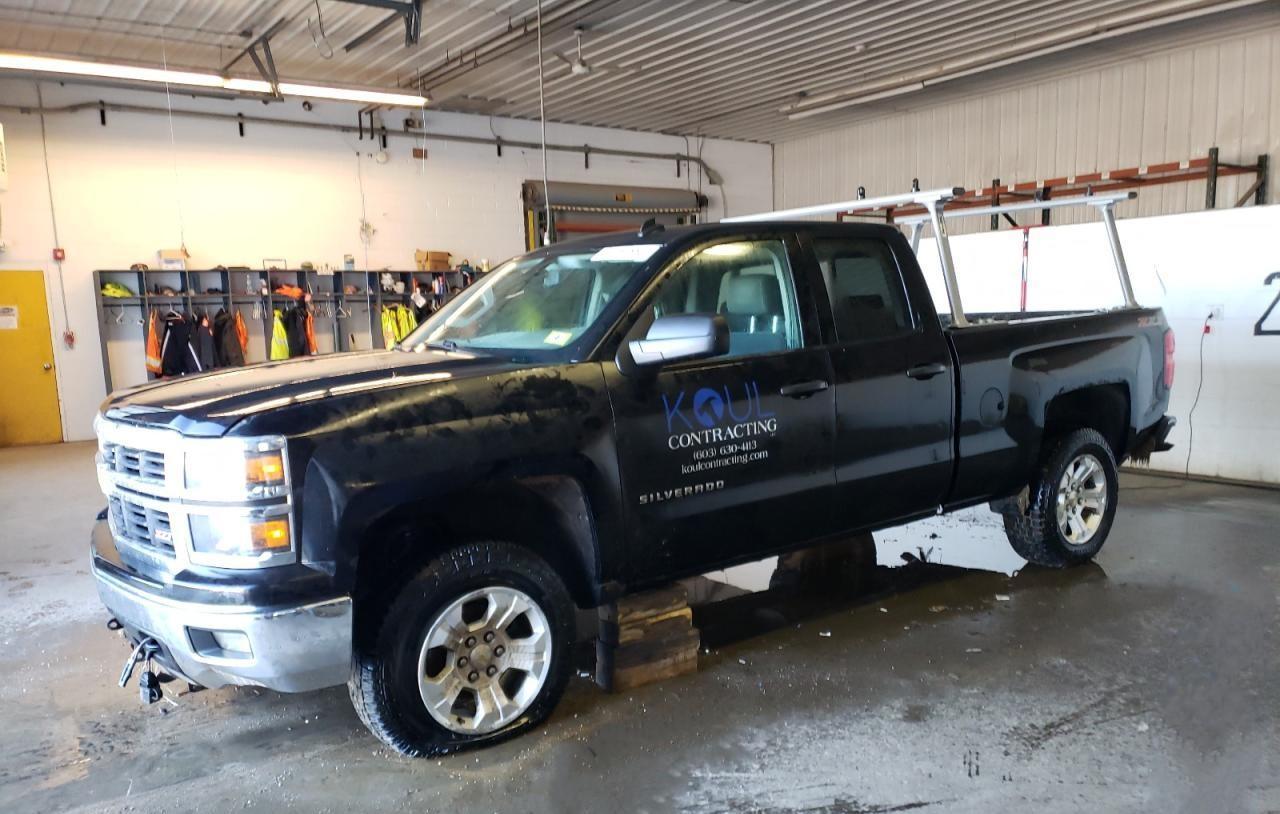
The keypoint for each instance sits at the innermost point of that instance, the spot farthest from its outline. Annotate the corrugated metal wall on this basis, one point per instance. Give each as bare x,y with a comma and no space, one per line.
1161,106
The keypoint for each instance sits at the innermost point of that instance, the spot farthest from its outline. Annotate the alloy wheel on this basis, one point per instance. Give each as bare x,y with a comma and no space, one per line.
484,660
1081,499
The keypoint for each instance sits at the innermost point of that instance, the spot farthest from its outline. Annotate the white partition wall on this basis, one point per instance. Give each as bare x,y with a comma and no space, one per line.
1191,265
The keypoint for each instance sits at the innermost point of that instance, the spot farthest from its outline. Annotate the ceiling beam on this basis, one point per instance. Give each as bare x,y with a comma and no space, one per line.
408,10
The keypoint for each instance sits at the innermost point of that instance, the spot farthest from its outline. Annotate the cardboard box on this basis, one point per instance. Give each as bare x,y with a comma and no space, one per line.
172,259
426,260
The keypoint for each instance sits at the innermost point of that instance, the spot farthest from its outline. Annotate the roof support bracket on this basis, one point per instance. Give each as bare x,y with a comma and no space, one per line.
410,11
266,63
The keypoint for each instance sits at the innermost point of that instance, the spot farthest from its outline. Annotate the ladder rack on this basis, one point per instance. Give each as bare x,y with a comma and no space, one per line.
931,207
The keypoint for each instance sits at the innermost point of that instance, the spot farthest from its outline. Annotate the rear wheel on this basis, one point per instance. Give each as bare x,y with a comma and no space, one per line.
1070,506
475,648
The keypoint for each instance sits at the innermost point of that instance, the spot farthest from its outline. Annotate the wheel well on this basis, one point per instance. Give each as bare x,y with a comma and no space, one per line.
549,515
1103,407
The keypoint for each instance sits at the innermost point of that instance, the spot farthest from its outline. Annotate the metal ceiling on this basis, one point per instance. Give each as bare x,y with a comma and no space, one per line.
725,68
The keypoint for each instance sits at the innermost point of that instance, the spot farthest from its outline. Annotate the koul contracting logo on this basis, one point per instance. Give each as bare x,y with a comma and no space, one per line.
708,408
716,415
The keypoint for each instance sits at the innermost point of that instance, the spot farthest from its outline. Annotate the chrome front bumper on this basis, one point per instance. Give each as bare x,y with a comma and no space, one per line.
292,648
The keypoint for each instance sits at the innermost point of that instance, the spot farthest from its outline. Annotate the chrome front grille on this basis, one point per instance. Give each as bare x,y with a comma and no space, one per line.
141,525
151,510
140,464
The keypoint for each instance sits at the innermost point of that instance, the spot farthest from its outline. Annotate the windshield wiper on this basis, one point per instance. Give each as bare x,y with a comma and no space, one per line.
443,344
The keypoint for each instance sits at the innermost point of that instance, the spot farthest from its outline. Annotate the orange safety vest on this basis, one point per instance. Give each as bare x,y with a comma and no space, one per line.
311,333
154,363
242,333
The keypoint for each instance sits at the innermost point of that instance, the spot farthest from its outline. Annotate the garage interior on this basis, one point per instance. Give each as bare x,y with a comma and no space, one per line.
354,165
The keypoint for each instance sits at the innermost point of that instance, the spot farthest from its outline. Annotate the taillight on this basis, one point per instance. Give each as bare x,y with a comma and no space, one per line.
1168,359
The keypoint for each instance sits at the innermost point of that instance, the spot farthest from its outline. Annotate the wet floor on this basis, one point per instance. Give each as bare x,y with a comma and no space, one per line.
1144,682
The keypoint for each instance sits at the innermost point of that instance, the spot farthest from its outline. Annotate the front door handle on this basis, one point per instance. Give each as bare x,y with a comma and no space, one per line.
926,371
802,390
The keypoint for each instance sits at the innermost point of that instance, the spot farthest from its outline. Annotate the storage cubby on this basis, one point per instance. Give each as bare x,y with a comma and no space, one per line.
346,307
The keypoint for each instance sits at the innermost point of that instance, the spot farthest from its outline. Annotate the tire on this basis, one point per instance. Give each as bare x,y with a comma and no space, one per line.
1035,532
446,600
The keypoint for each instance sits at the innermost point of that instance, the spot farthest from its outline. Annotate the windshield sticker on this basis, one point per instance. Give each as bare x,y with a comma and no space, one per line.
711,430
637,253
558,338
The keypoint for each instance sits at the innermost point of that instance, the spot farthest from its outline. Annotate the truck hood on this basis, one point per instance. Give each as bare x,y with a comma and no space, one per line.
209,404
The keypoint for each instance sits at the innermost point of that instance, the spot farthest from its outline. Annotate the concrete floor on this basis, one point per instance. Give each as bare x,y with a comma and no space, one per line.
1145,682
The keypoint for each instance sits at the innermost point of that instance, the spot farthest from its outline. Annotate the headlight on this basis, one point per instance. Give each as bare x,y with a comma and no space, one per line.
242,538
235,468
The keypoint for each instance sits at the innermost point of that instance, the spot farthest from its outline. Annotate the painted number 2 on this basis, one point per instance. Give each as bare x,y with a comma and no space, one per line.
1258,330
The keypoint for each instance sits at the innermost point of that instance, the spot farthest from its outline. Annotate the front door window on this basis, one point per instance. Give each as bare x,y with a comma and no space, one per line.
749,284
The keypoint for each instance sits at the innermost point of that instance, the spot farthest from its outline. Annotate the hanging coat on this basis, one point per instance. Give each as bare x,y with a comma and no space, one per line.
202,341
405,323
242,333
154,330
312,348
279,339
226,342
388,328
177,356
295,329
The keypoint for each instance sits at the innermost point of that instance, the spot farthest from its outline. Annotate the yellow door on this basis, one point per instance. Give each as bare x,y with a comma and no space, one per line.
29,390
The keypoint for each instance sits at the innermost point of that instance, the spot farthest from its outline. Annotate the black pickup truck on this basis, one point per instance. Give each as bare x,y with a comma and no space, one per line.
590,419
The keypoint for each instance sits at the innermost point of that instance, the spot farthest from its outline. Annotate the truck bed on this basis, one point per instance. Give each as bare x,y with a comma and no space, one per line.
1011,367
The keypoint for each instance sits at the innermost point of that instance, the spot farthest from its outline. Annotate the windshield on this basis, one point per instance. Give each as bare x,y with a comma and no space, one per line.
534,302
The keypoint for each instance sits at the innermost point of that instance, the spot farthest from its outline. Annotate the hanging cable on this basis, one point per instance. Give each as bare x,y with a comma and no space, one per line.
424,135
1191,414
542,115
173,152
68,335
327,51
366,234
688,177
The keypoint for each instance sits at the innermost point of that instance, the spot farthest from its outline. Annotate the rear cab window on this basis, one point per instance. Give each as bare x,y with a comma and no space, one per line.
865,288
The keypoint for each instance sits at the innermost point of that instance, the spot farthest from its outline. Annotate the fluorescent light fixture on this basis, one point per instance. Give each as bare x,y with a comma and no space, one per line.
373,97
901,90
106,70
247,85
29,62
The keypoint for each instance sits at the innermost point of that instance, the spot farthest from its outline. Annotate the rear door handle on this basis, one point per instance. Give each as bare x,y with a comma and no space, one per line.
926,371
802,390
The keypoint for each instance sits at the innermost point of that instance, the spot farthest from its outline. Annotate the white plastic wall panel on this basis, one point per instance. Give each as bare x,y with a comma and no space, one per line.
1189,265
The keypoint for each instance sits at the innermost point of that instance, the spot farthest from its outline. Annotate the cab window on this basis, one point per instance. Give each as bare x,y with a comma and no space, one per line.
865,286
749,283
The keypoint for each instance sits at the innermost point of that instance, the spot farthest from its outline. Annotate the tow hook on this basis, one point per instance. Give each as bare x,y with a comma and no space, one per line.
149,690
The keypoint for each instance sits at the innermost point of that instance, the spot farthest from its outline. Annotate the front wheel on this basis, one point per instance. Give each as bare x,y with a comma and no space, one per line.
475,648
1070,505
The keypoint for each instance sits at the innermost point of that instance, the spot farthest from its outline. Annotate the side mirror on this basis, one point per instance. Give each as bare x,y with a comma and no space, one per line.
681,336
